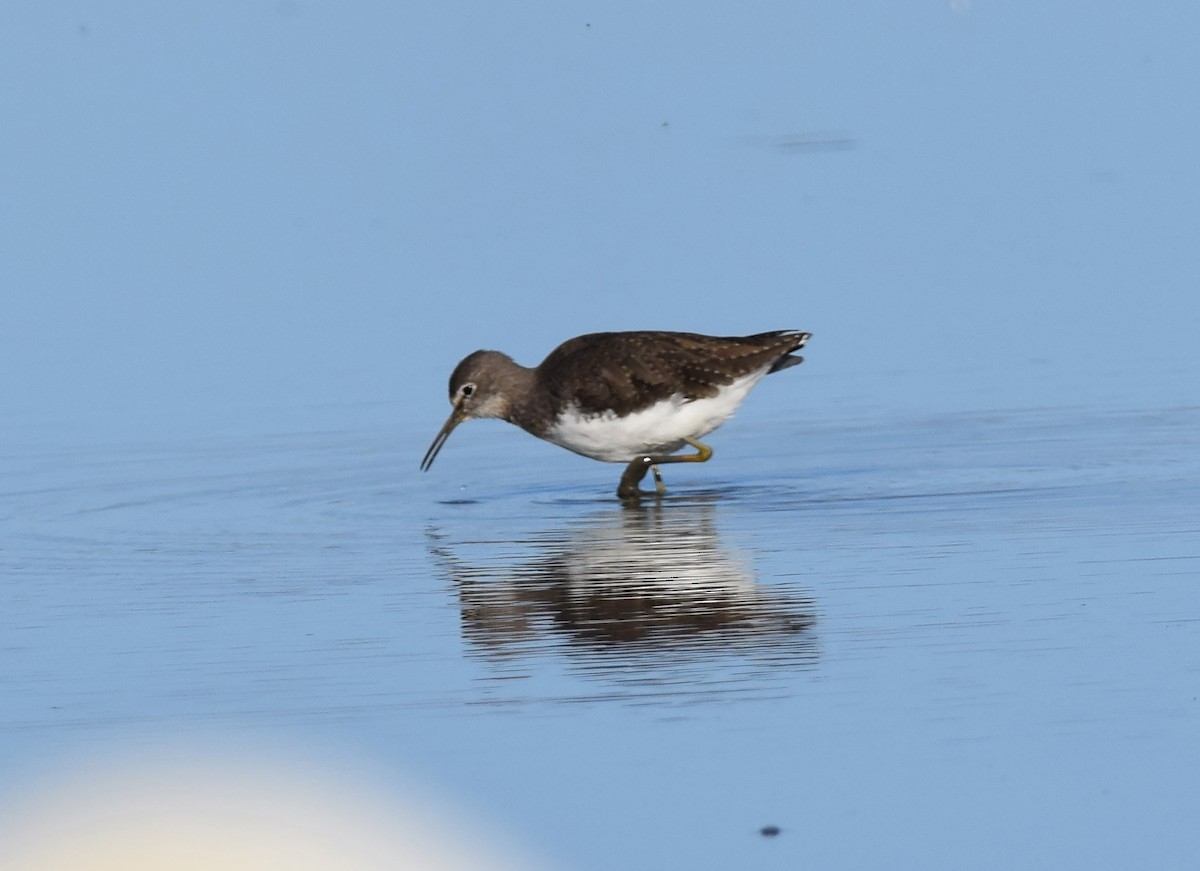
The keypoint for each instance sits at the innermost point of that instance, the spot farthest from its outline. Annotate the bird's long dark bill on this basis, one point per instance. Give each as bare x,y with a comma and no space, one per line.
456,417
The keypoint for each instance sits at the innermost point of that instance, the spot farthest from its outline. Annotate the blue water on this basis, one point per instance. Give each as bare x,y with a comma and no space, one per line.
933,603
898,640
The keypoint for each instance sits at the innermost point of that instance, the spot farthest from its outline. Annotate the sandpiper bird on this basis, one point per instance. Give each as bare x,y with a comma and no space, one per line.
631,398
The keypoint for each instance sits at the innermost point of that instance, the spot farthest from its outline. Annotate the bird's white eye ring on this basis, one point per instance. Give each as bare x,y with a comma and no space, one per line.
466,390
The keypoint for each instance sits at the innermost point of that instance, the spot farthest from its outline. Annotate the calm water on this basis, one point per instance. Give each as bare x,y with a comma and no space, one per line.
957,641
934,602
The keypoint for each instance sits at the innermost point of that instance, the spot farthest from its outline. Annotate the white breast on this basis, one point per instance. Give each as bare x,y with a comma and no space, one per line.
661,428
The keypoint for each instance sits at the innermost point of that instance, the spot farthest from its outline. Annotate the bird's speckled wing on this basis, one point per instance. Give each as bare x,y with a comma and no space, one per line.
624,372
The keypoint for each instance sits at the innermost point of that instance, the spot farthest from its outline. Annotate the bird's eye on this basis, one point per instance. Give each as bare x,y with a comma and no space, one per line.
466,390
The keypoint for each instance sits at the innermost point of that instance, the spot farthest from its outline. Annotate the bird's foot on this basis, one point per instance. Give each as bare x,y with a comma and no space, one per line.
633,475
636,470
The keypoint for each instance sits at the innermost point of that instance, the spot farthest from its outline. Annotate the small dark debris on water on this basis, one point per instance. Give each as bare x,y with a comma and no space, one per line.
769,831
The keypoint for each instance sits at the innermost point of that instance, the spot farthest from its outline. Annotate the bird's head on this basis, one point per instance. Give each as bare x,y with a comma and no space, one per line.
478,388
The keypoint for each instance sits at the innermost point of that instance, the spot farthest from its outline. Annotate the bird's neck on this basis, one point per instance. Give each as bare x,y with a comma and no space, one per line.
529,407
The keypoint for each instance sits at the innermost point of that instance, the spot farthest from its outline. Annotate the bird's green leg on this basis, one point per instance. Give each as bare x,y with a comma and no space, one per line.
631,477
636,470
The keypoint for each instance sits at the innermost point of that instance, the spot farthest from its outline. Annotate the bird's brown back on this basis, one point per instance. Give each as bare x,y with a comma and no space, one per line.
624,372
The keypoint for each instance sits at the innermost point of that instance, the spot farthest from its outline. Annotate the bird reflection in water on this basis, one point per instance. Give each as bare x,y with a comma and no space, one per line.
638,594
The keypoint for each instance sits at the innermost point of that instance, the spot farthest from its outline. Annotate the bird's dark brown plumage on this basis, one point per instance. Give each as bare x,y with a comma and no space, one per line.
625,372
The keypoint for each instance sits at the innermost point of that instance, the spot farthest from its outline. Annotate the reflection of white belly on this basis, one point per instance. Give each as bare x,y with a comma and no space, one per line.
661,428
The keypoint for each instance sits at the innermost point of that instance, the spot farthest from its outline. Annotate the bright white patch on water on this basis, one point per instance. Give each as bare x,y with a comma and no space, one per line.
661,428
231,814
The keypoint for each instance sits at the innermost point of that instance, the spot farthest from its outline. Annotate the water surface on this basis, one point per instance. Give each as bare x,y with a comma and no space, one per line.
894,639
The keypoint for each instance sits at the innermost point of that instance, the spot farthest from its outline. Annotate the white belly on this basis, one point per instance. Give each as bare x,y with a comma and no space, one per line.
661,428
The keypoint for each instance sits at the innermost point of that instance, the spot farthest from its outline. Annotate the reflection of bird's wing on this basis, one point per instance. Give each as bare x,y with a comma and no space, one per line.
624,372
